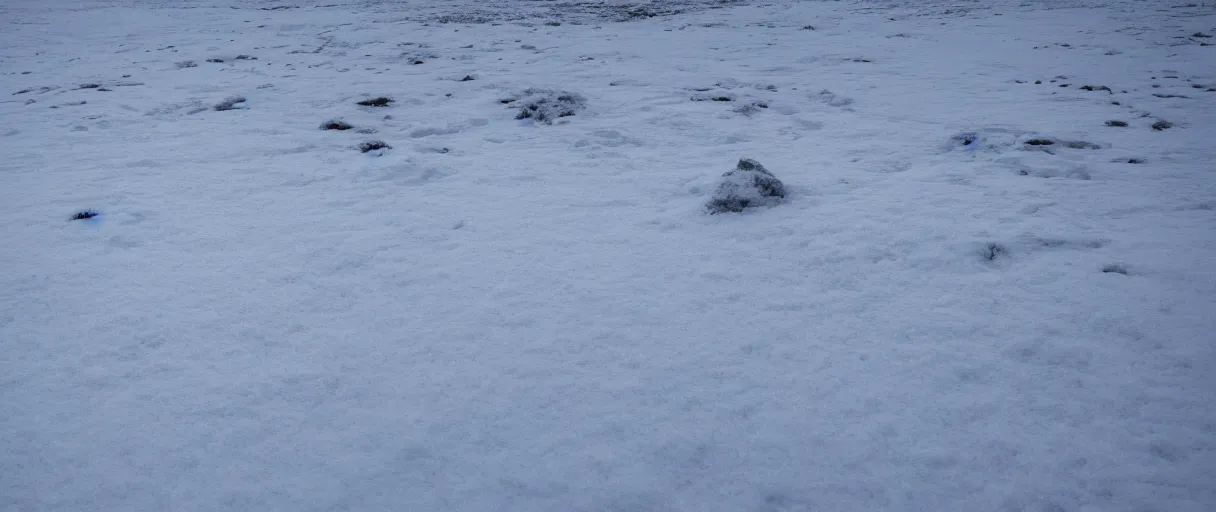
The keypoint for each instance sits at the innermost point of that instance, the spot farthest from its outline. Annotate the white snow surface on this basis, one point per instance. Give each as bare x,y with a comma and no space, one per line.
496,315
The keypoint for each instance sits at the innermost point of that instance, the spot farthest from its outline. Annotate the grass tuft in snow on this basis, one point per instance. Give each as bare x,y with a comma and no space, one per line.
546,105
994,251
334,124
382,101
373,145
965,138
748,185
749,109
85,214
231,103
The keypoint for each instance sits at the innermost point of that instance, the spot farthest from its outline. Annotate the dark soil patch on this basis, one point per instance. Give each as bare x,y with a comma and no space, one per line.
377,102
1117,124
1040,142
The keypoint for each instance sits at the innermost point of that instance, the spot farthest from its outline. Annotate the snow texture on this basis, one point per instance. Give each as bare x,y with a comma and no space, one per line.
208,310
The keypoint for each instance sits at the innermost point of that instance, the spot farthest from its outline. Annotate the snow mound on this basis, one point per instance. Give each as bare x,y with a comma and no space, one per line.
746,186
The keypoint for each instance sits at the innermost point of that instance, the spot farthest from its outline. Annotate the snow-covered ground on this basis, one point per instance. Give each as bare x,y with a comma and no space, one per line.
506,315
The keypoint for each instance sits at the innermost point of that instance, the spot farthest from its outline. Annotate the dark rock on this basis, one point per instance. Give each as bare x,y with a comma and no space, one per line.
85,214
1040,142
1117,124
1162,125
749,185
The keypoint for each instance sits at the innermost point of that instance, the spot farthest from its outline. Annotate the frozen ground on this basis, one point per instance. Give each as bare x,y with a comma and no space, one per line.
500,314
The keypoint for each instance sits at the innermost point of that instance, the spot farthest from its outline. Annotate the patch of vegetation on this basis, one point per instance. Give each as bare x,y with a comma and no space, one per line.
749,109
335,124
373,145
546,106
381,101
230,103
966,138
748,185
992,251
